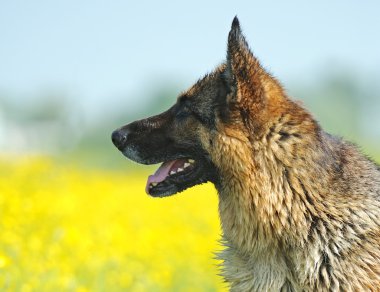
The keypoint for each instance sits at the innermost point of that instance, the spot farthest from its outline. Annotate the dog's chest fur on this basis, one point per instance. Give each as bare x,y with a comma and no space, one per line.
260,271
253,259
251,263
284,230
252,218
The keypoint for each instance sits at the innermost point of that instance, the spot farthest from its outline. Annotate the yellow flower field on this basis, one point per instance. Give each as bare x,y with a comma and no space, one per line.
70,228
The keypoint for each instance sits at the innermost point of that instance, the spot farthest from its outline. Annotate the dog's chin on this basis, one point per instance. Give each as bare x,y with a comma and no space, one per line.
180,178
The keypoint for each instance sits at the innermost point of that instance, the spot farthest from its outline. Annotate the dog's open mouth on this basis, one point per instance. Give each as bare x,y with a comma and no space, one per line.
174,176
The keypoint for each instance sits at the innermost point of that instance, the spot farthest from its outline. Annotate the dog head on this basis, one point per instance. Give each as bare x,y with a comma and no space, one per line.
209,134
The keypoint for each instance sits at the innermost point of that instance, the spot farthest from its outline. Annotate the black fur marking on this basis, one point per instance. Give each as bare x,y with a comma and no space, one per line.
307,195
221,105
284,136
235,22
313,226
245,116
325,266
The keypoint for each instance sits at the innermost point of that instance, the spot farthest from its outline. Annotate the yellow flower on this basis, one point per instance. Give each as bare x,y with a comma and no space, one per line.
3,261
66,228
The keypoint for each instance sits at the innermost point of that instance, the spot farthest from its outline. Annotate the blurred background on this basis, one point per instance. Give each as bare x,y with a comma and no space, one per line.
73,71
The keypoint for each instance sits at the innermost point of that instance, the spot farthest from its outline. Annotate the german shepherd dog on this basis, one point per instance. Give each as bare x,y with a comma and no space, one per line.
299,208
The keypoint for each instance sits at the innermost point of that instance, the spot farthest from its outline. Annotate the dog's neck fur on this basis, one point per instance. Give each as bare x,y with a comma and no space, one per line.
257,209
272,199
284,198
260,201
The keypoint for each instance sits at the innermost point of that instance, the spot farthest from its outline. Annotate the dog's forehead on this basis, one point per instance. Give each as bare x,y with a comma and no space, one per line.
205,86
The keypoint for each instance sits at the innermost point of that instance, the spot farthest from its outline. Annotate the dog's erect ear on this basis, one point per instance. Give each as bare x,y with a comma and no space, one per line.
243,70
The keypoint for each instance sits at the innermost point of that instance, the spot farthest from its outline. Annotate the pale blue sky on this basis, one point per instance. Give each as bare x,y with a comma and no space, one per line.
100,52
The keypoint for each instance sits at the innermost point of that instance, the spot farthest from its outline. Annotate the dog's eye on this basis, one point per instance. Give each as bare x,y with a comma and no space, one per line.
183,112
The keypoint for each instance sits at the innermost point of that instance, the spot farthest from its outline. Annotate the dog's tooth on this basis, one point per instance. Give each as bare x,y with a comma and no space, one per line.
172,172
154,184
150,186
191,160
186,165
179,169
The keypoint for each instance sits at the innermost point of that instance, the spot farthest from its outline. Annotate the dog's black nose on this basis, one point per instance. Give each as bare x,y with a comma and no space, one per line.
119,138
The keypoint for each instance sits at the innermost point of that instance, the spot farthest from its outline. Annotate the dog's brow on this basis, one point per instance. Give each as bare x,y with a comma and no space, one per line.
183,98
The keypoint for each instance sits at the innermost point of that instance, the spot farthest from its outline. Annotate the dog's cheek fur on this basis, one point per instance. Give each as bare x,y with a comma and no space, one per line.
223,141
183,133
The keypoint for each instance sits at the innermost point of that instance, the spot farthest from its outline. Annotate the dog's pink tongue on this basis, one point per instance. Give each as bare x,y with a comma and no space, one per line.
161,173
